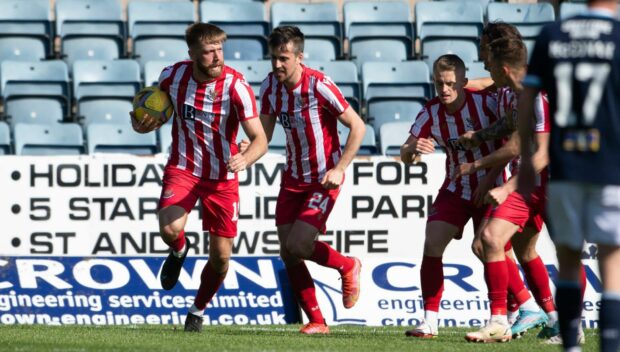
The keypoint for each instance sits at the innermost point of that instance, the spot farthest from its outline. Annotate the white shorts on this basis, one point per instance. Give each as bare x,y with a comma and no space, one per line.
580,212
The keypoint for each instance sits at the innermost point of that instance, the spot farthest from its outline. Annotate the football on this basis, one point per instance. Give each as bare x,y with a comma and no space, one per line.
154,102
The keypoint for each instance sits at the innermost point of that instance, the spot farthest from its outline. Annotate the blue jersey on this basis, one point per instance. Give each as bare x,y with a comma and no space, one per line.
577,62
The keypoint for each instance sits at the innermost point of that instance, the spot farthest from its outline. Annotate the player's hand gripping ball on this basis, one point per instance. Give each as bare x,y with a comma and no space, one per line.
154,102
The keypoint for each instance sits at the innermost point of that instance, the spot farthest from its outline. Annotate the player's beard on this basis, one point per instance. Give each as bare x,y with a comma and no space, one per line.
212,71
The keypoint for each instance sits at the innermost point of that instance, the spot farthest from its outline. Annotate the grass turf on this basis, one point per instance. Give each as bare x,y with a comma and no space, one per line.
249,338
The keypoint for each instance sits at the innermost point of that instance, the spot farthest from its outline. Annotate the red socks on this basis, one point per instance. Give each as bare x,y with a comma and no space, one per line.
516,287
431,277
303,288
538,280
327,256
210,281
178,243
496,277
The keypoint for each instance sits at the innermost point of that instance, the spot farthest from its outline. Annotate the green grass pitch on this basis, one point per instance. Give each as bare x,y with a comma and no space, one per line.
249,338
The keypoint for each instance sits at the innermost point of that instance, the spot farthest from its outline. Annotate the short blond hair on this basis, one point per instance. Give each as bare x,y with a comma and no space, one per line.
201,32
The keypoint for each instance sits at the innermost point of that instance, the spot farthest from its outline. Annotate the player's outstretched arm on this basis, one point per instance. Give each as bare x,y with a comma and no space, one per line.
255,149
349,118
479,83
527,173
501,128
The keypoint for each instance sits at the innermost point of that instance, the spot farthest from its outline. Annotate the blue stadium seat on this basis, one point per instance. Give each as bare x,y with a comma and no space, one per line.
29,21
48,139
121,138
392,135
434,48
21,48
245,26
378,31
278,140
254,71
104,90
528,18
369,142
569,9
395,91
345,75
164,137
319,23
118,78
476,70
158,29
152,71
5,139
90,29
236,18
245,48
35,92
463,19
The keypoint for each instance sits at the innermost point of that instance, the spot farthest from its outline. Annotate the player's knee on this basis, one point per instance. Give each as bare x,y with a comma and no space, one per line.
299,249
219,262
491,242
169,232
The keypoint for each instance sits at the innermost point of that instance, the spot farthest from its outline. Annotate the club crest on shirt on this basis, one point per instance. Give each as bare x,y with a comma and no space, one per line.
469,124
301,102
213,94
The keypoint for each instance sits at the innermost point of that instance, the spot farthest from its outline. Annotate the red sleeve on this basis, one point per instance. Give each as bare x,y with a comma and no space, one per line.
421,128
242,100
266,89
328,92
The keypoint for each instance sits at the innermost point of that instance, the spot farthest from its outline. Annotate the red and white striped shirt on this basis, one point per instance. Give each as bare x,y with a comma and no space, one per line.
309,114
207,116
478,111
507,101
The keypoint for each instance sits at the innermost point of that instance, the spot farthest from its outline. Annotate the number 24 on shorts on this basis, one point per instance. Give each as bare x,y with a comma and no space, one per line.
318,202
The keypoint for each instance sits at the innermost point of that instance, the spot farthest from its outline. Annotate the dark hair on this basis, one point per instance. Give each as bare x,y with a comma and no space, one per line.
283,35
449,62
199,32
499,29
509,51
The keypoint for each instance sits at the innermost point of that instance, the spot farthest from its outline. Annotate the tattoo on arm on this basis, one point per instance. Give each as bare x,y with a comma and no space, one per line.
503,127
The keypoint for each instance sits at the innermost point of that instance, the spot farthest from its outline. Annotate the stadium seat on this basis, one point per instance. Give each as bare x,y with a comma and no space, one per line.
319,23
278,140
528,18
48,139
90,29
5,139
476,70
245,26
245,48
255,72
569,9
29,21
345,75
378,31
35,92
392,135
158,29
395,91
463,19
152,71
236,18
164,137
121,138
369,142
104,90
434,48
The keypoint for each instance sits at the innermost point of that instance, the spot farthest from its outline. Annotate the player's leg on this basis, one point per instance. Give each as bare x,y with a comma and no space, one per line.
537,277
603,228
176,201
609,319
438,235
302,285
566,209
302,241
494,237
220,204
